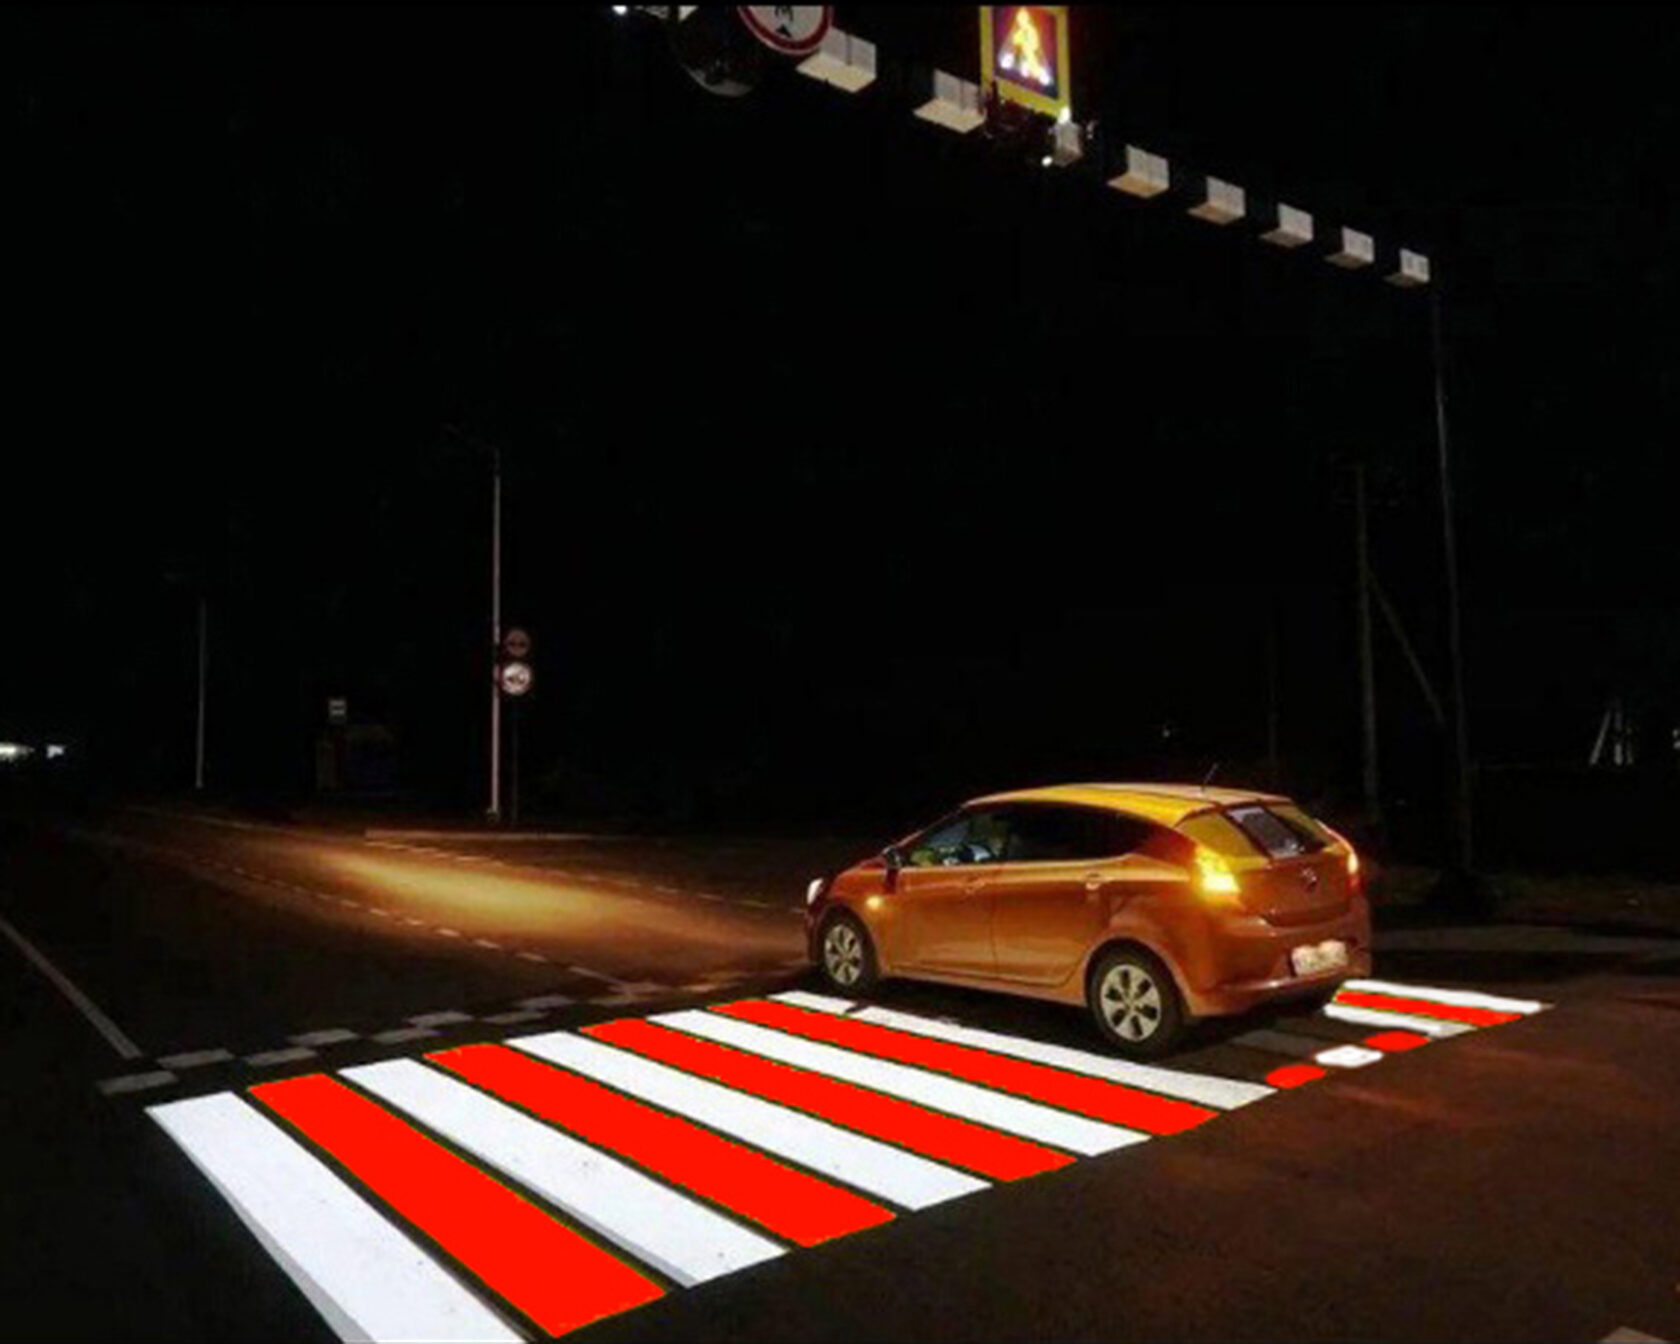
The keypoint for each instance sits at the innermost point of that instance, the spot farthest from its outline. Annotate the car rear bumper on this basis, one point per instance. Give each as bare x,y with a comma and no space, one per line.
1248,962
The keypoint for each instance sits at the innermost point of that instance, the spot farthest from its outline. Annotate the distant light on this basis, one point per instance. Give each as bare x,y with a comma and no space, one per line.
15,751
621,10
1046,161
1064,116
55,750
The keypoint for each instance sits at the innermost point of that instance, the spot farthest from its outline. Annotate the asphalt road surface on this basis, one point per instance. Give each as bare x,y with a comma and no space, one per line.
258,1076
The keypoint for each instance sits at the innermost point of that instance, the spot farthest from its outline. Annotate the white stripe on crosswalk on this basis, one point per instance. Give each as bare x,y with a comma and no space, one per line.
1381,1017
366,1278
1348,1057
669,1231
1221,1093
907,1180
1462,998
1011,1114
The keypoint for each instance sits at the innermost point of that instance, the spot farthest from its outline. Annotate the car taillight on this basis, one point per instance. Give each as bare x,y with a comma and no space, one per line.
1214,876
1354,879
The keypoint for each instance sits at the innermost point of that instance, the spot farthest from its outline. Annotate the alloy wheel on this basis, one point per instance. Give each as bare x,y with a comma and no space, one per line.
1131,1002
843,954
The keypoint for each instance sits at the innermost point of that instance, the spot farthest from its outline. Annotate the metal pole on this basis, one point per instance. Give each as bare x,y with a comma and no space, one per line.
495,810
1274,769
1367,668
513,767
203,667
1455,638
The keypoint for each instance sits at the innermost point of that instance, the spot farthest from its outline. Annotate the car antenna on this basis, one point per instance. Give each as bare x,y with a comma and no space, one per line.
1208,778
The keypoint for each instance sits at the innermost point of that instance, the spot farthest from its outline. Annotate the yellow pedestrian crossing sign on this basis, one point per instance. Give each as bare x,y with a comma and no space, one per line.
1024,55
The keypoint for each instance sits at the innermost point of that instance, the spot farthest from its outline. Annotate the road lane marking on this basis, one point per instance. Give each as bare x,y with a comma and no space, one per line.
547,1271
907,1180
1347,1057
1392,1042
136,1082
1293,1075
532,956
1115,1103
516,1017
671,1232
790,1203
447,933
326,1036
1463,998
193,1059
933,1134
1026,1119
1371,1017
398,1035
112,1033
1221,1093
489,943
368,1280
448,1017
290,1055
546,1001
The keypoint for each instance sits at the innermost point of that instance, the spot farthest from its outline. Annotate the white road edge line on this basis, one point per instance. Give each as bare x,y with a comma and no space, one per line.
112,1033
366,1278
1221,1093
667,1230
907,1180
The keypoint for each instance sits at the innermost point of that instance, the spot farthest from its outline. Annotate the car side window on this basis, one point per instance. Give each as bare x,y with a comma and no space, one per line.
1048,834
968,837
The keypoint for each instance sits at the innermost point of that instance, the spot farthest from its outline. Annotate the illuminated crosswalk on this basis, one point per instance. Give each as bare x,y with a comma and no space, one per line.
526,1188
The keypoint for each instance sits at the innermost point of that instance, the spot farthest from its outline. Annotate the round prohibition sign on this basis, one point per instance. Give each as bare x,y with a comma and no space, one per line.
516,678
793,30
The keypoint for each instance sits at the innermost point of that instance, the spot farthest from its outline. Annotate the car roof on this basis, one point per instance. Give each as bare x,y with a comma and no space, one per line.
1168,804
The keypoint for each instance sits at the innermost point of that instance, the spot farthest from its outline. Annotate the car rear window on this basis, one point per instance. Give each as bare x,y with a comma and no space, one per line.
1277,834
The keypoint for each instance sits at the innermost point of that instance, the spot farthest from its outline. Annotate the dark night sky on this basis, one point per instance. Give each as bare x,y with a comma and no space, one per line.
848,461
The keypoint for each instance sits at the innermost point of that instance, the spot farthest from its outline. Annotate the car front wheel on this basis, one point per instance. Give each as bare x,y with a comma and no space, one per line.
1136,1004
845,956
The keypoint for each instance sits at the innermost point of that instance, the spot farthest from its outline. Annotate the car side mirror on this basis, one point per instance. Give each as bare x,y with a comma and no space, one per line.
893,857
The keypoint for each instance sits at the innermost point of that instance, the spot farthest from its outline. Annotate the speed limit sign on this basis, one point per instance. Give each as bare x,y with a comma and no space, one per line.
516,643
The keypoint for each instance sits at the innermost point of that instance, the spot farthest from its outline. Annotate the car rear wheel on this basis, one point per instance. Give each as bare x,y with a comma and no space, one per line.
1136,1004
845,956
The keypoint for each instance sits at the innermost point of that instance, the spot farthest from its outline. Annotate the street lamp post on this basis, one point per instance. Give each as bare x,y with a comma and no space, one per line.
1465,849
495,808
203,669
493,811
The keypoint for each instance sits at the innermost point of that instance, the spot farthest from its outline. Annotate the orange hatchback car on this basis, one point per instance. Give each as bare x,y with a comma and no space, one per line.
1151,904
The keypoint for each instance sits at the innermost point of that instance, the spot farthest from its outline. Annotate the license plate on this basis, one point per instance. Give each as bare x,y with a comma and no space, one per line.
1317,958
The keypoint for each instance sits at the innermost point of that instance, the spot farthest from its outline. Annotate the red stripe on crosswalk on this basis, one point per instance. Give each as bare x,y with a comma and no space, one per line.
931,1133
1101,1100
553,1275
1392,1041
1446,1012
789,1203
1293,1075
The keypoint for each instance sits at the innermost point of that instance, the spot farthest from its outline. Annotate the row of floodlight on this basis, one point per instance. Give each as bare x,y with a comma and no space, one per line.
849,63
